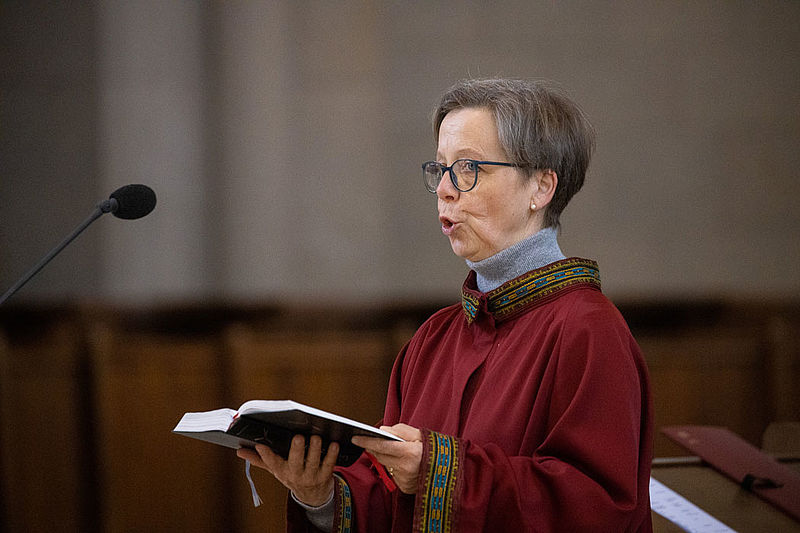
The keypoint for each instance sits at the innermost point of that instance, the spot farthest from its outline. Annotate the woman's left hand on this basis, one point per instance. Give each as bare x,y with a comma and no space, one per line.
402,459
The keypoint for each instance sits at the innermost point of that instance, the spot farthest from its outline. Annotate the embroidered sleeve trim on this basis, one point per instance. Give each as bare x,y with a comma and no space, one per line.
436,491
343,519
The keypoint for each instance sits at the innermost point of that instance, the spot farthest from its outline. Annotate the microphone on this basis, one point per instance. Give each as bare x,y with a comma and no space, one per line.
128,202
131,201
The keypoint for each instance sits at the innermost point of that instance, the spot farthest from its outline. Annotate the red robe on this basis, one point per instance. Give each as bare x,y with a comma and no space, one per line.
534,404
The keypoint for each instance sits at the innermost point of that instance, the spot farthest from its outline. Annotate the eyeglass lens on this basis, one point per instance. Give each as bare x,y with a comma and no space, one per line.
465,172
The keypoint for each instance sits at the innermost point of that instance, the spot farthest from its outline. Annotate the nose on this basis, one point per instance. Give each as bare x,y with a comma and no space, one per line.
446,190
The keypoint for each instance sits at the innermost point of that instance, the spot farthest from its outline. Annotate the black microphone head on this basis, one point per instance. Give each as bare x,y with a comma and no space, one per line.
133,201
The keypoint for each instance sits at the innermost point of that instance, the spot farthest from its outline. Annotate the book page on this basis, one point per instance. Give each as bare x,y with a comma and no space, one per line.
217,420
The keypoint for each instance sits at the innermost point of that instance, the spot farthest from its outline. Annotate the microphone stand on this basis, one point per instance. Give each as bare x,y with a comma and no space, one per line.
106,206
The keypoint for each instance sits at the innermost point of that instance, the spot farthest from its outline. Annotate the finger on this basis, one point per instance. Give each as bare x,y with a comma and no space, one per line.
297,454
404,431
250,455
314,454
381,447
271,460
326,468
367,443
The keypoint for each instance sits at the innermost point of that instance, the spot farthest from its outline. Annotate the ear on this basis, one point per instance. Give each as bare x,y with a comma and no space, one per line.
547,181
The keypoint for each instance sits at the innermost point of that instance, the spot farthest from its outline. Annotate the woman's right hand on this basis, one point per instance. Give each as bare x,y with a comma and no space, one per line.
307,475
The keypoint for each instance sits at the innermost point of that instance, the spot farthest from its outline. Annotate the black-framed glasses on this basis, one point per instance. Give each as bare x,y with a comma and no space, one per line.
463,173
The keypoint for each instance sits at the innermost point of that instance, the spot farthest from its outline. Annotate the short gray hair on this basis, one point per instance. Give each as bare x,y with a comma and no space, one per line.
538,125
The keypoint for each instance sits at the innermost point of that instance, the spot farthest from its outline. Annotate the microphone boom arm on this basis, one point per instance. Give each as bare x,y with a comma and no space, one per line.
103,207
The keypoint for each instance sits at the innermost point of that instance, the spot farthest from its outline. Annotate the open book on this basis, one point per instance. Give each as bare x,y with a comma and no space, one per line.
274,423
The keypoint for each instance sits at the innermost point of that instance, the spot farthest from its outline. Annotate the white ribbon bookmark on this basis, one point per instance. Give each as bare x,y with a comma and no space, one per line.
253,491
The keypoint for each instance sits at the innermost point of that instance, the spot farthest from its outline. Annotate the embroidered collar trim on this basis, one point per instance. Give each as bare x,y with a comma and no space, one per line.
529,289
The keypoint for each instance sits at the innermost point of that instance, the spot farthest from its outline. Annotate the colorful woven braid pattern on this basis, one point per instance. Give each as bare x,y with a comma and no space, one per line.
344,506
535,286
436,505
470,304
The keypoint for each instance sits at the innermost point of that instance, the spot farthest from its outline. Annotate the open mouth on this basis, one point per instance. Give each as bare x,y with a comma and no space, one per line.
447,225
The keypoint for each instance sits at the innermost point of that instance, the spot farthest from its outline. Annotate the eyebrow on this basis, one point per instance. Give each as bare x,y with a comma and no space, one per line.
464,154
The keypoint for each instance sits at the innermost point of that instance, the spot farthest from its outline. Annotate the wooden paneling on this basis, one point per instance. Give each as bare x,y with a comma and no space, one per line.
43,445
784,365
150,479
707,380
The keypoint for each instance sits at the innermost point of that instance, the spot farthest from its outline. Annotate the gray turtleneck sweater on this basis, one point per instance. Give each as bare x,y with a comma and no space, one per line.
529,254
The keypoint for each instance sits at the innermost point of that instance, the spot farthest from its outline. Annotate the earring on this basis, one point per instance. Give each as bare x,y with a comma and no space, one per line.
533,207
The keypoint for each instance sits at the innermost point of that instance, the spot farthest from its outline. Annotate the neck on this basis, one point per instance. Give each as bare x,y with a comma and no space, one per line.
529,254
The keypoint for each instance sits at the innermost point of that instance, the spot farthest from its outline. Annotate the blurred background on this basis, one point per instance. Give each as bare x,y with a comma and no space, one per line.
294,249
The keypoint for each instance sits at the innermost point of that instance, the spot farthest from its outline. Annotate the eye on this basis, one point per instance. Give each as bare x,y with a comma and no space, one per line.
468,165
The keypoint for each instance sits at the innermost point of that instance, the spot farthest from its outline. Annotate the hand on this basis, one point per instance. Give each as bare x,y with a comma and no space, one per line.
310,480
400,458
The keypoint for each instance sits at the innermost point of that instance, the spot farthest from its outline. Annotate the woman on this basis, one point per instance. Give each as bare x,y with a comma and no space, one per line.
526,407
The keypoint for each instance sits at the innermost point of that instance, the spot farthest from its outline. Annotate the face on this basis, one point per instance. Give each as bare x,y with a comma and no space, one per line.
497,212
